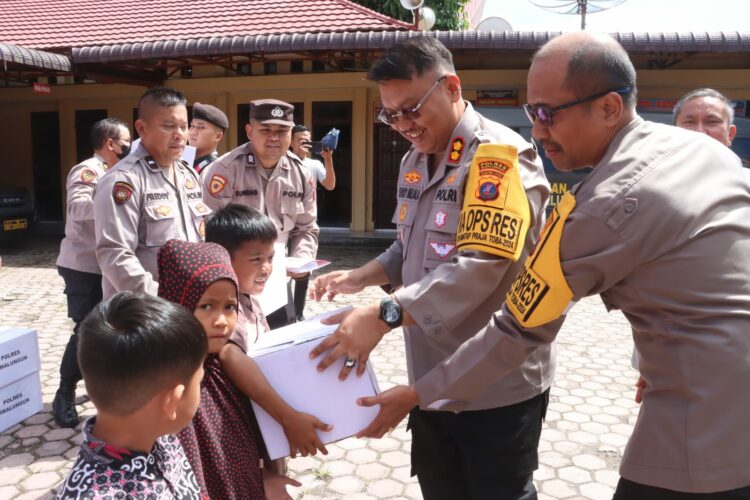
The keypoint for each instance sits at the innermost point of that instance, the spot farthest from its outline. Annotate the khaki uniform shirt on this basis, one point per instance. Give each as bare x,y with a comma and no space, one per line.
78,248
661,230
287,196
251,323
130,228
451,295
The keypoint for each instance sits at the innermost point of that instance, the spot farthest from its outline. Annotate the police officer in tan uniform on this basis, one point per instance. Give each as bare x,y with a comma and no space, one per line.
206,132
149,198
471,198
110,139
660,228
263,174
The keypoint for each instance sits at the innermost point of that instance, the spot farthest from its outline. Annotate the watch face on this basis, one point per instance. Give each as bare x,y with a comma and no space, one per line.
390,314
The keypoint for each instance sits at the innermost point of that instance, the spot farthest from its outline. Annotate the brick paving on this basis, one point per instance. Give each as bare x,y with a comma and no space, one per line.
590,417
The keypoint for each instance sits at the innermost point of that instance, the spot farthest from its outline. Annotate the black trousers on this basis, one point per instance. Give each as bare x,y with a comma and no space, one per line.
300,295
285,315
478,455
628,490
84,292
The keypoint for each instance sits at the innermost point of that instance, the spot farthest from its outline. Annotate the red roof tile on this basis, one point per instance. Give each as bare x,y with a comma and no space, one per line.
77,23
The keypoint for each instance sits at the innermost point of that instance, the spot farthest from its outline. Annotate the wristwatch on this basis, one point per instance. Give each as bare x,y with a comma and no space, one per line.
390,312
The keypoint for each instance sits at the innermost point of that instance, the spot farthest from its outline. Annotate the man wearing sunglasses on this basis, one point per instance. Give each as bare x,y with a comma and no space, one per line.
443,292
660,228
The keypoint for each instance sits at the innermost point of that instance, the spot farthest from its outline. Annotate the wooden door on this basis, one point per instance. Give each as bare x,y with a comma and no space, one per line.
390,147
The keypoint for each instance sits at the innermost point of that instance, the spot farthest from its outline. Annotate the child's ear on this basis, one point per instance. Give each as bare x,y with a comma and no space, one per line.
170,401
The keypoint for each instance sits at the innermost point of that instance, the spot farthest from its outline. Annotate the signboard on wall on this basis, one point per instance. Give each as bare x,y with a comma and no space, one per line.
42,88
507,97
659,105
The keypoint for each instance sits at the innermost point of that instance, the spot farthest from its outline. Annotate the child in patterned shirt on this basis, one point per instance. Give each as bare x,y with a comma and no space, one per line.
141,358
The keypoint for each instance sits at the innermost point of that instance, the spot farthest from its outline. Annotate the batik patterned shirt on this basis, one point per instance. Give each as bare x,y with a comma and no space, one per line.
105,472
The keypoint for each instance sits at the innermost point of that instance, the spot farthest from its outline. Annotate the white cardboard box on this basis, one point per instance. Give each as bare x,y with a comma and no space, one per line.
19,354
20,400
295,377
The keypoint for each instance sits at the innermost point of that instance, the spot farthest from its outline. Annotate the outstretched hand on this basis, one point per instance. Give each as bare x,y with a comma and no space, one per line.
300,430
395,404
358,333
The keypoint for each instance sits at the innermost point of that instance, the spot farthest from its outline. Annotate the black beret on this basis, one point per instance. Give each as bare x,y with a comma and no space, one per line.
211,114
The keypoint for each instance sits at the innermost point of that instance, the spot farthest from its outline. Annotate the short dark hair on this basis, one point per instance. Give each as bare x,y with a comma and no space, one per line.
412,57
597,65
132,346
108,128
705,92
160,96
299,128
234,224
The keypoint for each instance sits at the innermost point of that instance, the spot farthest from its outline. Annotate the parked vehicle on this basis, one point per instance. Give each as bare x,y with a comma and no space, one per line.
17,211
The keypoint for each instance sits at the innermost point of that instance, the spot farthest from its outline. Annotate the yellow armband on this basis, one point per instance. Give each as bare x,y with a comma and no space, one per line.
540,293
495,214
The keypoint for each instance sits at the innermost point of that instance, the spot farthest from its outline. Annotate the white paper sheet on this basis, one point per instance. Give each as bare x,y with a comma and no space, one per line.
303,265
274,295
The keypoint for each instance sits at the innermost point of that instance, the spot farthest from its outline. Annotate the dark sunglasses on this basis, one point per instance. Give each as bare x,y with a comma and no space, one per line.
408,113
543,114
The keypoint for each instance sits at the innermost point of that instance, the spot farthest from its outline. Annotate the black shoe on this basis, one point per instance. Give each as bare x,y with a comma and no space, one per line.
64,408
300,318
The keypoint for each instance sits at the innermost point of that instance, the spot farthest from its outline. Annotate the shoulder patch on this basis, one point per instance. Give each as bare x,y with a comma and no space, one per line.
540,292
121,192
495,214
88,176
217,184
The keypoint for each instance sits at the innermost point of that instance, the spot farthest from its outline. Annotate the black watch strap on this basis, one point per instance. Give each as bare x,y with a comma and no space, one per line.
390,312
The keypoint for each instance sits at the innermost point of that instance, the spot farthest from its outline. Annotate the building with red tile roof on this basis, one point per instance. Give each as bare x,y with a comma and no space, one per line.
61,24
93,58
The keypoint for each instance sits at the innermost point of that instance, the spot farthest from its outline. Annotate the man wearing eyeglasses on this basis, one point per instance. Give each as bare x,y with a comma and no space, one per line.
444,289
660,228
110,139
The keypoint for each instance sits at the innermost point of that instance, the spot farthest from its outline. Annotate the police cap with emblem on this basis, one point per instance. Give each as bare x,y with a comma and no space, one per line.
272,111
211,114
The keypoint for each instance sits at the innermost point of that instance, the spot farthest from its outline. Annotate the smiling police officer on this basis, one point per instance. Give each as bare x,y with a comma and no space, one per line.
470,203
151,197
265,175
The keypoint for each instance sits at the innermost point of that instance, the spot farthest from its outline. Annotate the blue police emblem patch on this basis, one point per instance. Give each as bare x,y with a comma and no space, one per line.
487,190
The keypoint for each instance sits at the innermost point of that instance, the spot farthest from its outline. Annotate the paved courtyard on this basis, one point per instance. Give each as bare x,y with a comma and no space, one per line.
590,417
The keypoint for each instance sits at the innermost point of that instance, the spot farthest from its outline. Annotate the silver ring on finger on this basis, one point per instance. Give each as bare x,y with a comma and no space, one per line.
350,362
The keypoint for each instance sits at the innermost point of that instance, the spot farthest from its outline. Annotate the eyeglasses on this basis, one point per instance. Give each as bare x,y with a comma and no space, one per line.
409,113
543,114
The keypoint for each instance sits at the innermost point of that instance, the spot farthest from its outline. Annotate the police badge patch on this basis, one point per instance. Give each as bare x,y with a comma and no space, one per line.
251,159
440,218
412,177
121,192
277,112
88,176
403,212
217,184
163,210
441,248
